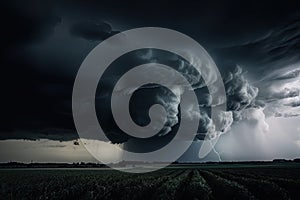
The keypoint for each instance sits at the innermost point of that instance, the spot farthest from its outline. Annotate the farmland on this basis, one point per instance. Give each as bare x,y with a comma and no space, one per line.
281,181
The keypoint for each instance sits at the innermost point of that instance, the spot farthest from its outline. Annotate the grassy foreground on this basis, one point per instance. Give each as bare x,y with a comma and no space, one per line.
175,182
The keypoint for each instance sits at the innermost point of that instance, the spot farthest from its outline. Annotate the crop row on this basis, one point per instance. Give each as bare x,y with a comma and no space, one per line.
164,184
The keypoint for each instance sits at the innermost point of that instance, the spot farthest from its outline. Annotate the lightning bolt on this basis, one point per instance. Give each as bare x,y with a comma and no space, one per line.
216,152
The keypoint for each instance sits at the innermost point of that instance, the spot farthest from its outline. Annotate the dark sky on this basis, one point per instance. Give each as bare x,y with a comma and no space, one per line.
45,42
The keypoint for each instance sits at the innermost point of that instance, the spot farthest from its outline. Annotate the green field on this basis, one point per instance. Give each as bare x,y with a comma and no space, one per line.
213,181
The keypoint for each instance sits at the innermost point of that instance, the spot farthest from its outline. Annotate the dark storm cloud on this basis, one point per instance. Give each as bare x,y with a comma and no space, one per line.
206,126
259,58
288,75
42,133
92,30
285,93
283,41
272,63
277,48
39,96
240,96
28,21
240,93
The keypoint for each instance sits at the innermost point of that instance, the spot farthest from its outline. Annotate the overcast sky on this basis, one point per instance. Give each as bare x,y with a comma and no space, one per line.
256,46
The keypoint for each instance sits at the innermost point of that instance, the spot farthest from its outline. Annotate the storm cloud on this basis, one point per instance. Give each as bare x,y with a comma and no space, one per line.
257,55
92,30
